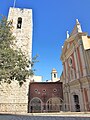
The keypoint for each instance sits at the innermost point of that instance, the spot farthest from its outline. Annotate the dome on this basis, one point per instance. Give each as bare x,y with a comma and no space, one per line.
54,70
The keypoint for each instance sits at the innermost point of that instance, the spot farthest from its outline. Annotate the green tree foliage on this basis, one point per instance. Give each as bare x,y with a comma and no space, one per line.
13,64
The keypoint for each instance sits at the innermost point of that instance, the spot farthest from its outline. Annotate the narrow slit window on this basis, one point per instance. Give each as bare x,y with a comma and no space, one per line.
19,23
54,75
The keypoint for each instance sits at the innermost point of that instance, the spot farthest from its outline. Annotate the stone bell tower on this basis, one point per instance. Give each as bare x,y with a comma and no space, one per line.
21,20
13,97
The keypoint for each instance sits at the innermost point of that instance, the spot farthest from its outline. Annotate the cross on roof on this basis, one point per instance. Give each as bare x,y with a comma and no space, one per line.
14,3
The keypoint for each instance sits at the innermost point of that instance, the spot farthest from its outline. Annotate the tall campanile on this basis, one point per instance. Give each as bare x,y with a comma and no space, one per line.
22,29
21,20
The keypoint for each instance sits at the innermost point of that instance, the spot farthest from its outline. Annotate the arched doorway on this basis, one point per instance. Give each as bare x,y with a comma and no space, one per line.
76,101
54,105
35,105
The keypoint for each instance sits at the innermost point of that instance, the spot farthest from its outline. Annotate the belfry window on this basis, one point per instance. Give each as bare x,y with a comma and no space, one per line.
19,23
54,75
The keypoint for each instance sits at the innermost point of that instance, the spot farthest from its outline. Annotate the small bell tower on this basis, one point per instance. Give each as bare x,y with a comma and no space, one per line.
54,75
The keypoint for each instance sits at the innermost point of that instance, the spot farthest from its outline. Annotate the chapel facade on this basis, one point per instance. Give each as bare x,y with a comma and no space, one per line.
45,97
76,70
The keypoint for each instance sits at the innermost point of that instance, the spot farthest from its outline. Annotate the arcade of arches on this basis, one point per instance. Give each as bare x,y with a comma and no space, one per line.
45,97
52,105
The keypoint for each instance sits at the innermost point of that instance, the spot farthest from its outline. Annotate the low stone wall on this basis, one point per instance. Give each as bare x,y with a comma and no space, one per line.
13,107
14,98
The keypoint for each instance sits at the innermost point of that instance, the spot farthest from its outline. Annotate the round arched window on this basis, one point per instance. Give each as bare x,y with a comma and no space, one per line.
70,61
44,90
55,90
36,90
19,23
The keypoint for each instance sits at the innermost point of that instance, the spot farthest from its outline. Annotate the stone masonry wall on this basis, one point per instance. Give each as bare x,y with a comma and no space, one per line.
24,34
14,98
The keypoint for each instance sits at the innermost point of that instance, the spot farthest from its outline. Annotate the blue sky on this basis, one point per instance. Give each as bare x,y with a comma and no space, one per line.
51,20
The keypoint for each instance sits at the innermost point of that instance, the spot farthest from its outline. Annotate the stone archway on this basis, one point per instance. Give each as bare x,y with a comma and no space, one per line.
35,105
54,104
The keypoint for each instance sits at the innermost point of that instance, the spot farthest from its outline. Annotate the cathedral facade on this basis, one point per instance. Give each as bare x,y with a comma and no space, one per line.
76,70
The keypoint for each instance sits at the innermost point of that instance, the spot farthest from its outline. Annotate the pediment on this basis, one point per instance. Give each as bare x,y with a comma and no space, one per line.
68,42
70,38
77,29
